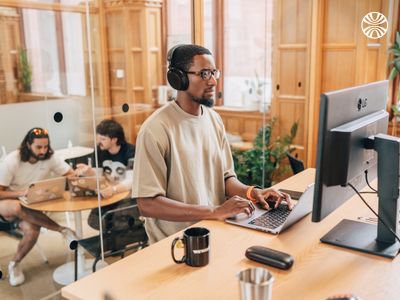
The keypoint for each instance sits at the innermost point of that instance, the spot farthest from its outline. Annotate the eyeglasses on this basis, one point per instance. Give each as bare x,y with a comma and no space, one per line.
206,74
39,131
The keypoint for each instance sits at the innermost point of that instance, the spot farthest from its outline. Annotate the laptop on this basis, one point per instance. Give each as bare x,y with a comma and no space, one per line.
278,219
45,190
85,186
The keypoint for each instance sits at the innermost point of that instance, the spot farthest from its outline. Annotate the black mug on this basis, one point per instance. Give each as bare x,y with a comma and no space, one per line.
197,247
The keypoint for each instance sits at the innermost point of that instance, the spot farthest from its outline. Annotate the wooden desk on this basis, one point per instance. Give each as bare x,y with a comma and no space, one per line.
319,271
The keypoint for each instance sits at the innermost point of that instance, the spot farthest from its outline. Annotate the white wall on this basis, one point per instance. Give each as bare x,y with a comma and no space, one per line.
76,126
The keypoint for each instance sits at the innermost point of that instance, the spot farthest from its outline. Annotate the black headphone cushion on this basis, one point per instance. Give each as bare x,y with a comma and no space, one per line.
178,79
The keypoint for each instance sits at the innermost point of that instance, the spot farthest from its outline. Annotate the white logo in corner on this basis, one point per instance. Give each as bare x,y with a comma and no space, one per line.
374,25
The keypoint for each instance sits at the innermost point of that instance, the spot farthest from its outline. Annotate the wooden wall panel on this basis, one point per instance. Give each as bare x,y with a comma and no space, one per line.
137,71
118,96
303,13
340,21
115,21
287,71
9,45
117,62
291,68
233,125
288,19
291,112
344,56
372,65
136,21
338,69
301,72
246,124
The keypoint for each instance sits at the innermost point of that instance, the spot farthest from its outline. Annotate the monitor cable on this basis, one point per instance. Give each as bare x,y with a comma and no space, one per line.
366,180
371,209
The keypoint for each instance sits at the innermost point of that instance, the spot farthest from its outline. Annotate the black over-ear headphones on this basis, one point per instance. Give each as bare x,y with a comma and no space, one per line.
177,78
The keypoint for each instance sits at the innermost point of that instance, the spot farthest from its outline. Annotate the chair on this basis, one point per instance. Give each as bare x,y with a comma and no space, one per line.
296,164
117,239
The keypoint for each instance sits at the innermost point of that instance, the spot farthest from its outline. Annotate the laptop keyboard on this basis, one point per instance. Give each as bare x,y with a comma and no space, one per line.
273,218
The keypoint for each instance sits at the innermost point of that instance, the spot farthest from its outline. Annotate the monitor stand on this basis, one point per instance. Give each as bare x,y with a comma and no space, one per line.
360,236
370,238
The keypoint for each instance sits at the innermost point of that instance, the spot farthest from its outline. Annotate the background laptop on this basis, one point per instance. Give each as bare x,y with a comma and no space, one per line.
279,219
85,186
44,190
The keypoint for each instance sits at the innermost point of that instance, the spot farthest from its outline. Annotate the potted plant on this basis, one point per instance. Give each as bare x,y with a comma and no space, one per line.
260,164
24,71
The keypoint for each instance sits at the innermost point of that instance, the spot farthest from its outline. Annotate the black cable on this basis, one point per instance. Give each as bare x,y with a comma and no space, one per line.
368,192
366,179
379,218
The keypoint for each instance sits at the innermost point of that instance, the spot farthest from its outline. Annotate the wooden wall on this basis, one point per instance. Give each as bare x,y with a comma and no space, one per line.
291,68
245,124
320,47
9,46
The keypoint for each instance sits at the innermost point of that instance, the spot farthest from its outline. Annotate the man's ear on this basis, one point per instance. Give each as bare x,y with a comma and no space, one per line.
114,140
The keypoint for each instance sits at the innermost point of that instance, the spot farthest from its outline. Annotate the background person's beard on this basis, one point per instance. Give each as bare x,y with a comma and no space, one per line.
37,157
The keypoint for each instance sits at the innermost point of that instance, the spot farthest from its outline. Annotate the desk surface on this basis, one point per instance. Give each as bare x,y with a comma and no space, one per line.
319,271
69,203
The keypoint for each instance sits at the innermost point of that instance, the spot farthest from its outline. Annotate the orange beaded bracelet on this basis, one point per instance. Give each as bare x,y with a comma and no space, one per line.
248,193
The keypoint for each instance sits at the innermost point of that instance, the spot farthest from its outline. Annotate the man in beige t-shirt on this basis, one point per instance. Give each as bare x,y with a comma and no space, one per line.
183,168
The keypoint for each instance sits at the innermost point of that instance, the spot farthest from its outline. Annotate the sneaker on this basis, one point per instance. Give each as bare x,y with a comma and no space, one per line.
70,237
15,275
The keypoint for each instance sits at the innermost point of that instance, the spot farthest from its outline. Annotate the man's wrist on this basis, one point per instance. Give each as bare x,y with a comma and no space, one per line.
251,192
212,214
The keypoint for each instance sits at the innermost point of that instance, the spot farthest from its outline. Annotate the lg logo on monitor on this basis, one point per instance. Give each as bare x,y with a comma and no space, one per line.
361,103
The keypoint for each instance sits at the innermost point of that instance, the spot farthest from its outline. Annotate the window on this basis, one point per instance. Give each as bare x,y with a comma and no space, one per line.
179,22
246,51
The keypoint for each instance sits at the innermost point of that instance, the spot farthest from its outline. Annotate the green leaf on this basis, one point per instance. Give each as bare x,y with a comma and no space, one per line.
393,73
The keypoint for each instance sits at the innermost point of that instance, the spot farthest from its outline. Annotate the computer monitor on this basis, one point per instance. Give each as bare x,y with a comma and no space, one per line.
352,144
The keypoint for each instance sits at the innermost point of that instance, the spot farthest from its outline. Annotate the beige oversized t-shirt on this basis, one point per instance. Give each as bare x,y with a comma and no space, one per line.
183,157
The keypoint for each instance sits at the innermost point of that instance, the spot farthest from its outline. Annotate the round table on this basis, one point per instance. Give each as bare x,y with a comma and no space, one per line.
73,152
64,274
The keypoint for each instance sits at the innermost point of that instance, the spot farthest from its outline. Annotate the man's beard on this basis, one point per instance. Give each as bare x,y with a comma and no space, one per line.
209,102
37,157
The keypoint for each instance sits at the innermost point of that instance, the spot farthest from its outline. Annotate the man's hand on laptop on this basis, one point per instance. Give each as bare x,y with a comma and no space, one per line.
274,197
22,193
82,170
107,192
232,207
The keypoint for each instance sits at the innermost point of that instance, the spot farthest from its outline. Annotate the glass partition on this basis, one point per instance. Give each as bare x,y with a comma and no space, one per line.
45,96
87,70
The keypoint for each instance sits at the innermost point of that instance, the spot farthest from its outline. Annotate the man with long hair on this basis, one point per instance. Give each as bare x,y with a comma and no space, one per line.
33,161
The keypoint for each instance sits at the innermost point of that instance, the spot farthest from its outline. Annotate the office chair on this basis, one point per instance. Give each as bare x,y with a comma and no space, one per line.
296,164
116,239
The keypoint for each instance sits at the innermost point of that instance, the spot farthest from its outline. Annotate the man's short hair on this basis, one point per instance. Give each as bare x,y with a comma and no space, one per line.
112,129
182,57
34,133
